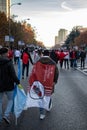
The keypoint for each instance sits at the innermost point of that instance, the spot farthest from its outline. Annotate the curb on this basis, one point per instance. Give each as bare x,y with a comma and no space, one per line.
82,71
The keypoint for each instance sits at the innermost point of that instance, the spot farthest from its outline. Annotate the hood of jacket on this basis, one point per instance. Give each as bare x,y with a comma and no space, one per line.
4,61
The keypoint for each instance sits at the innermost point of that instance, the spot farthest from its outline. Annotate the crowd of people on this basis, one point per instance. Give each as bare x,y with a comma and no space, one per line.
64,57
47,59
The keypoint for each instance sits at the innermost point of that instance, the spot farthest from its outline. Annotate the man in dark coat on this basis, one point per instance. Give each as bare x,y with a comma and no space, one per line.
7,79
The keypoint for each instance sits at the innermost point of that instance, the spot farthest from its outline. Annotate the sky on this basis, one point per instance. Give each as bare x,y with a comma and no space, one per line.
49,16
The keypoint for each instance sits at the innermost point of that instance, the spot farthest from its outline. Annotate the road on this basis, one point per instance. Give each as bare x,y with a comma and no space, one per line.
69,111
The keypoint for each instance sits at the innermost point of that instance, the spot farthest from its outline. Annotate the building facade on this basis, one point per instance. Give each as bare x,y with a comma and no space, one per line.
56,40
5,7
62,35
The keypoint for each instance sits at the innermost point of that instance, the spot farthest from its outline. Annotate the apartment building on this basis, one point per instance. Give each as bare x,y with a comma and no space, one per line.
5,7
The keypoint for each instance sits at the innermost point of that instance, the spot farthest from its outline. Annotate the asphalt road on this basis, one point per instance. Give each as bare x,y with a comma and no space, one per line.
69,111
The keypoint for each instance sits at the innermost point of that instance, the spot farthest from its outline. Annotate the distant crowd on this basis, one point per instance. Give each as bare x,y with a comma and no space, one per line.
65,58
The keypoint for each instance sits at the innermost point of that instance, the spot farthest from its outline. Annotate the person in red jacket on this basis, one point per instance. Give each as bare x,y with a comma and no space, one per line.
26,57
10,54
61,58
46,72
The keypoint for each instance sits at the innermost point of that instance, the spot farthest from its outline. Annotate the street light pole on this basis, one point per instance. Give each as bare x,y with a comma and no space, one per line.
9,18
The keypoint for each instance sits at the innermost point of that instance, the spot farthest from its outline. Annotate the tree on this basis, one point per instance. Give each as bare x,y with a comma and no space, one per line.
21,31
71,37
81,41
3,27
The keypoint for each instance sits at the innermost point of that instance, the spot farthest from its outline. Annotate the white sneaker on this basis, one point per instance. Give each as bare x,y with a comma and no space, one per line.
42,116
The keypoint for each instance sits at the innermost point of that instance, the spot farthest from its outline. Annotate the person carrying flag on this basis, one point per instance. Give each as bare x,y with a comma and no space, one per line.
46,72
7,79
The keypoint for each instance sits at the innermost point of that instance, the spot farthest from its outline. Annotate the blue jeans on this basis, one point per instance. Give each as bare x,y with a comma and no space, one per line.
8,109
42,110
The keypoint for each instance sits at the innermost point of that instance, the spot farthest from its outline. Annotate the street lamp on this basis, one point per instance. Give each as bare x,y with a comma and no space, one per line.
10,18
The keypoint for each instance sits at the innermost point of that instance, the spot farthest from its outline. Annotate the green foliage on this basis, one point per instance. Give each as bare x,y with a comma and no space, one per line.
3,26
71,37
21,31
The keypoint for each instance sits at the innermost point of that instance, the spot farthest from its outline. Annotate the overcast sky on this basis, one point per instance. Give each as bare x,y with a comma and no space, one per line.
48,16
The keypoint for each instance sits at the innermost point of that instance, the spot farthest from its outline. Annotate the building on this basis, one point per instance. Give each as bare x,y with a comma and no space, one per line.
62,35
56,40
5,7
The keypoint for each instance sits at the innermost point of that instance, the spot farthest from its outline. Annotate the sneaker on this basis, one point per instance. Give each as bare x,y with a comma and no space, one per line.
42,116
6,120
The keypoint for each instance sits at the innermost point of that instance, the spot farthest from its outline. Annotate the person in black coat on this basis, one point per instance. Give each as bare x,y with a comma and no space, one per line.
7,79
53,56
82,57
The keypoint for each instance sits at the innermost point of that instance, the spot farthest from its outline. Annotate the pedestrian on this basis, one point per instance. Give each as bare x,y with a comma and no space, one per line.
17,55
73,58
46,72
26,57
7,79
54,56
10,53
66,59
61,58
82,58
37,56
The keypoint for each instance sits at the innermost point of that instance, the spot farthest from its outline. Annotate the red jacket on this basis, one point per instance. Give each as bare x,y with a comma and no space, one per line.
45,73
25,58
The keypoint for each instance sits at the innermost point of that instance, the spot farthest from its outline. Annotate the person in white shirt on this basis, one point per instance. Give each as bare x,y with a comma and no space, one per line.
66,59
17,55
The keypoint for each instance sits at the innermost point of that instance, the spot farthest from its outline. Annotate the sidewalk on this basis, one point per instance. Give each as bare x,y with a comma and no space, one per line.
84,71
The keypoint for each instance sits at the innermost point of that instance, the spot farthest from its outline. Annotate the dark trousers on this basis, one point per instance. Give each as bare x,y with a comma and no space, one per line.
82,62
27,69
66,63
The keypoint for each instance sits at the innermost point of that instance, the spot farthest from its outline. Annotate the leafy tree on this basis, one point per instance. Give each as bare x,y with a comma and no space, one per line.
71,37
21,31
81,41
3,27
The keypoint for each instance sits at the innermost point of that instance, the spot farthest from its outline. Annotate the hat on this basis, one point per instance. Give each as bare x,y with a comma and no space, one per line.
3,50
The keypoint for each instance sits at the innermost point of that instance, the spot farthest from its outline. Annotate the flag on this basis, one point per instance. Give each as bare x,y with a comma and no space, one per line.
19,69
36,90
36,98
44,73
19,100
19,96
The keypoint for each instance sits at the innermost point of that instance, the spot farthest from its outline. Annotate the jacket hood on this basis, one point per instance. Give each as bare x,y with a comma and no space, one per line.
4,61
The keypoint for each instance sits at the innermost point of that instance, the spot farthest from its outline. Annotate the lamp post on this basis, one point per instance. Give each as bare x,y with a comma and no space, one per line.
10,19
